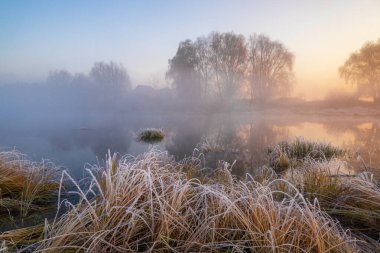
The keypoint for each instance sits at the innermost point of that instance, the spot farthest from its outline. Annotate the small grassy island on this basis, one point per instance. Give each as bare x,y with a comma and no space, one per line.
299,202
151,135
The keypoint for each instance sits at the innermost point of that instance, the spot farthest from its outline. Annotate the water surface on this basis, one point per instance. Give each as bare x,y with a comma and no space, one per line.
74,140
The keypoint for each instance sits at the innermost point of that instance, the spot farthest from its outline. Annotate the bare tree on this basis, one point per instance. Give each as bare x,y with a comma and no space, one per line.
183,72
60,77
363,69
222,63
110,75
228,59
270,68
203,64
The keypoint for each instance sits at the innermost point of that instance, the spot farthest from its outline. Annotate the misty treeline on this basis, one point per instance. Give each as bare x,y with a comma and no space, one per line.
228,65
106,87
362,69
214,72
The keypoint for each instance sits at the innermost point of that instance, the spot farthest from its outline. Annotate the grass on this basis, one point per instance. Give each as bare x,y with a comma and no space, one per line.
353,200
154,203
151,135
14,240
288,154
25,185
150,203
207,146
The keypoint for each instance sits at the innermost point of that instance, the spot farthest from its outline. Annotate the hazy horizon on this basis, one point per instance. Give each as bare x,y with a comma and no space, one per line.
38,37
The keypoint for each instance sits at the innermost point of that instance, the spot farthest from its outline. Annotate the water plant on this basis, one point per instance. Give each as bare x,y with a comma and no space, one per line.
151,135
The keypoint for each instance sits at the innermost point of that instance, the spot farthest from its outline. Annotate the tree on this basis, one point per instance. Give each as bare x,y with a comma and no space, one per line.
111,75
363,69
270,68
228,59
216,62
60,77
203,64
183,71
222,63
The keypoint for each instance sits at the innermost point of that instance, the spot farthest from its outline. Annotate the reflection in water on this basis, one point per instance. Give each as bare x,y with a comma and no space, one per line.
365,144
241,139
98,140
186,133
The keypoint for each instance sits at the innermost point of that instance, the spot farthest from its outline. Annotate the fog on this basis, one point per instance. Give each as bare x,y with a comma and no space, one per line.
224,90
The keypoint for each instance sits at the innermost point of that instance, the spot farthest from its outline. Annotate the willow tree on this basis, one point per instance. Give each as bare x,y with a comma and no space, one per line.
270,68
362,68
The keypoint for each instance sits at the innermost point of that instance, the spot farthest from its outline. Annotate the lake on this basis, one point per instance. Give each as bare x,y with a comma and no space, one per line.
76,139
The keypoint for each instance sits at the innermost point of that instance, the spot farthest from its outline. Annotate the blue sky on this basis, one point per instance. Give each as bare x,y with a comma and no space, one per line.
39,36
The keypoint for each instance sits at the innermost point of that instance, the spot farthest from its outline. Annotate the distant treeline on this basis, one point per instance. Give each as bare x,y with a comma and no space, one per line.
107,87
214,72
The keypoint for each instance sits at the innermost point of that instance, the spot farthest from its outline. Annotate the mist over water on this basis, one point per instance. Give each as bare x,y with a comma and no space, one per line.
189,126
226,93
74,138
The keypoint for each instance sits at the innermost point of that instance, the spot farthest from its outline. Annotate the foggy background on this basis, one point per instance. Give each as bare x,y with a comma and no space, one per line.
77,79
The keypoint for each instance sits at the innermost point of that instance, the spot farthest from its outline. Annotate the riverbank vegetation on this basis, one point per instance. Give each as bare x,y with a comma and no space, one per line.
153,203
288,153
26,186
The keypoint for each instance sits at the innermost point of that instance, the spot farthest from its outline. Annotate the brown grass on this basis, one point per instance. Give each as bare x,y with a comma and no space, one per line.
354,200
151,204
25,184
286,154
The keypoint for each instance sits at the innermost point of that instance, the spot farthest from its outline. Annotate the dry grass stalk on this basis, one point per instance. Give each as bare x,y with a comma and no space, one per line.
150,204
26,183
354,201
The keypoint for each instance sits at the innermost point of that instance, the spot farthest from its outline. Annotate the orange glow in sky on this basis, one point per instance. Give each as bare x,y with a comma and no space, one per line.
39,36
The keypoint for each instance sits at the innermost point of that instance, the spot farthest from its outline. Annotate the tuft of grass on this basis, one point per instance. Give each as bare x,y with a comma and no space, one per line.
353,200
287,154
24,185
150,203
151,135
208,146
14,240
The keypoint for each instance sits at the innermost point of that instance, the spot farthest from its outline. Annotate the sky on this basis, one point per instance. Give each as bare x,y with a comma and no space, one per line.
40,36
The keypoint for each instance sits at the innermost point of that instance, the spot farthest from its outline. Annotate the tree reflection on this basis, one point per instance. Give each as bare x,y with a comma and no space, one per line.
238,141
365,147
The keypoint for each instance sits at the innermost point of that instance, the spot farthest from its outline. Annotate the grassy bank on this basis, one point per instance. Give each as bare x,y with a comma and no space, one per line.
353,200
154,203
287,154
151,204
25,186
